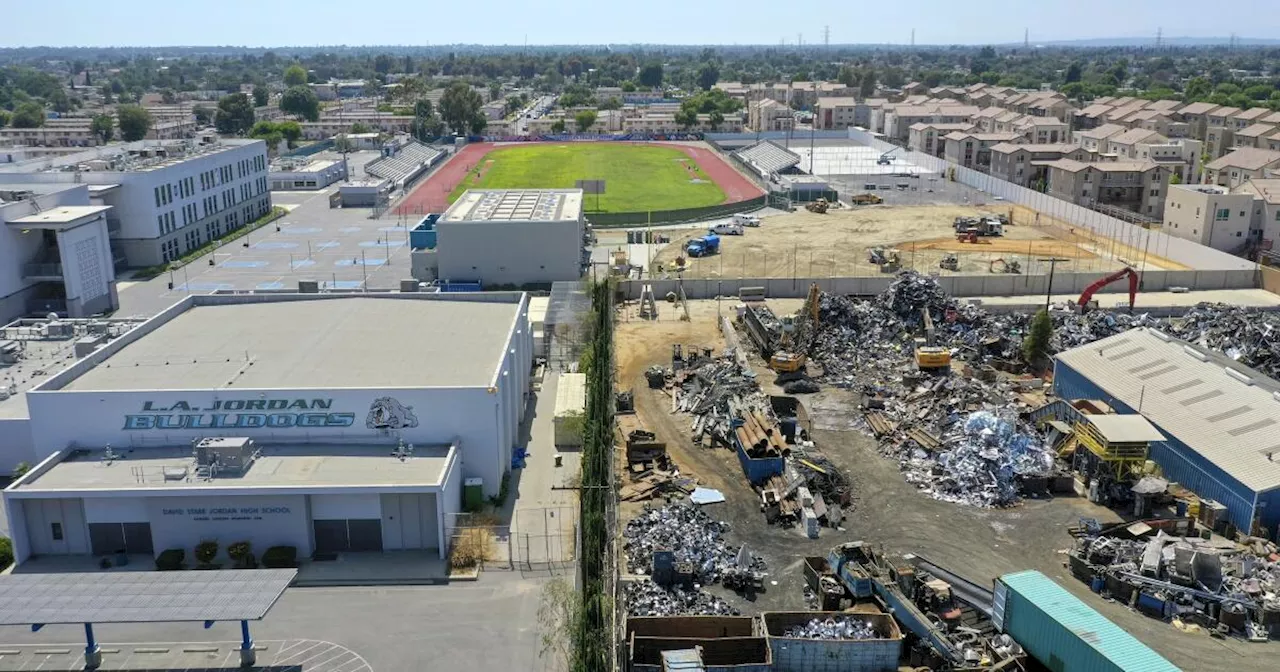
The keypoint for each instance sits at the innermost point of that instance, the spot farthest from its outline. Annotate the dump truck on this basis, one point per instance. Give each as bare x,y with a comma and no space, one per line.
704,246
866,199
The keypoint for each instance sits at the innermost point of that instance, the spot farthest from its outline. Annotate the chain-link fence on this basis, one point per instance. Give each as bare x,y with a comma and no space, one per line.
536,538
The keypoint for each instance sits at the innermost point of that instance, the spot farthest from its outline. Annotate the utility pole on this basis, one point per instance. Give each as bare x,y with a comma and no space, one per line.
1048,292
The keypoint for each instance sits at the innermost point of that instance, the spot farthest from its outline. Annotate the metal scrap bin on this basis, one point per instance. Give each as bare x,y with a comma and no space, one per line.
757,469
832,655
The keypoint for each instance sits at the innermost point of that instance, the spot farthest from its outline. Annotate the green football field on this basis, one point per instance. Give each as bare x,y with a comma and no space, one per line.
637,178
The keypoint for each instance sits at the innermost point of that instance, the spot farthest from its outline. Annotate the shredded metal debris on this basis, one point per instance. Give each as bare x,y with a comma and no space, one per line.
843,627
646,598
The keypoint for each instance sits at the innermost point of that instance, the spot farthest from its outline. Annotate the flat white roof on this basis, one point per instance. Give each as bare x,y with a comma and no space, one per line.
349,465
1218,408
65,215
329,342
1125,428
571,394
517,205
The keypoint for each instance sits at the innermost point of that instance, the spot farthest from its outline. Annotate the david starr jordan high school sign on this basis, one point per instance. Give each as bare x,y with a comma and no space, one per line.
385,413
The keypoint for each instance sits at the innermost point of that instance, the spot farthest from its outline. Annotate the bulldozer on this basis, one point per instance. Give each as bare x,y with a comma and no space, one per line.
930,357
818,207
797,334
949,262
1003,265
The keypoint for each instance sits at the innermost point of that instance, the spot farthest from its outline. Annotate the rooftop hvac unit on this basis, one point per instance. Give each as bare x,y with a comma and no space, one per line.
226,454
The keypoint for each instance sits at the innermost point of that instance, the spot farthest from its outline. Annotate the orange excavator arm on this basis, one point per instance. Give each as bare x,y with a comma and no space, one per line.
1087,294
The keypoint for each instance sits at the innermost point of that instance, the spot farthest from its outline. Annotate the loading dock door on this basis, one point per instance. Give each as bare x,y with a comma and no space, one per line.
409,521
336,536
108,538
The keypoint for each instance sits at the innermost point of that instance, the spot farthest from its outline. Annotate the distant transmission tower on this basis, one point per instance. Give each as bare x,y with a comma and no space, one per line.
826,36
913,37
1159,37
799,40
1026,38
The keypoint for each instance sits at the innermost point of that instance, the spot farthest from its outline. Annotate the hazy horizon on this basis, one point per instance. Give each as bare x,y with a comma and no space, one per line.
254,24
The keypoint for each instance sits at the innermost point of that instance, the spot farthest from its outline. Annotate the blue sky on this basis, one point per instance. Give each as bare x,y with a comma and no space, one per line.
417,22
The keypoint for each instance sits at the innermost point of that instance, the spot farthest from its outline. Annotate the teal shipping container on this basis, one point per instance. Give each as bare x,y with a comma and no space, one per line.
1065,634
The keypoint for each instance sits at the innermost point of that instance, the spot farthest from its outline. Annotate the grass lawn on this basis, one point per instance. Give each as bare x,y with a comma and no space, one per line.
637,177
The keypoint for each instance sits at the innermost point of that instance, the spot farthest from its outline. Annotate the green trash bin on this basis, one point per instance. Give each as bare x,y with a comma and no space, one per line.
473,494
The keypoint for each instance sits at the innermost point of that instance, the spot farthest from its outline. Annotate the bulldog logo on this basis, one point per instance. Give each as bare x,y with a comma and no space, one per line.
388,413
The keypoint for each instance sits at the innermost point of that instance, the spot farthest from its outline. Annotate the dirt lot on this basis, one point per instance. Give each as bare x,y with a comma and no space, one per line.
803,244
979,544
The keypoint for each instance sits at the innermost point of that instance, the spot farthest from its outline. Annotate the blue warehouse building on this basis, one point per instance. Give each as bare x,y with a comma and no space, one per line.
1221,419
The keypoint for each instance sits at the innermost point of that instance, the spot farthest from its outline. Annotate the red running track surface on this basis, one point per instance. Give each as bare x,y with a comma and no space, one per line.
433,194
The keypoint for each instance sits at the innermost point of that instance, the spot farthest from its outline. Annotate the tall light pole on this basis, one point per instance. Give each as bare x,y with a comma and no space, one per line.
1048,292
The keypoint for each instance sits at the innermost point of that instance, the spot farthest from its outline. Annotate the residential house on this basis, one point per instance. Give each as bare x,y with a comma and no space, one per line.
1272,142
1213,216
1041,130
1220,128
1166,125
1196,115
928,137
1249,117
1137,186
1254,136
1165,106
914,88
1095,139
1124,146
835,112
973,150
1015,163
1267,195
947,92
833,90
1181,156
1050,104
1092,116
1242,165
770,115
985,119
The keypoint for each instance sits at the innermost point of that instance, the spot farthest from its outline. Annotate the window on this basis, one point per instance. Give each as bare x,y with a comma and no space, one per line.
1238,234
1222,215
56,529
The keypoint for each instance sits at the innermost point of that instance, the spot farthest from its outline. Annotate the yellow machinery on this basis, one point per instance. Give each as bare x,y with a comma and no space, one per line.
1119,442
797,333
930,357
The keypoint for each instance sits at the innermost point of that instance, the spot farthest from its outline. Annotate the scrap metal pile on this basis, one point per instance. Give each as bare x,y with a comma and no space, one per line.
979,463
694,541
1213,583
843,627
1250,337
716,392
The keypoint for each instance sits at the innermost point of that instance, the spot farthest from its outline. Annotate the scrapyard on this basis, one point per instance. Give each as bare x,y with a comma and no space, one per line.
782,421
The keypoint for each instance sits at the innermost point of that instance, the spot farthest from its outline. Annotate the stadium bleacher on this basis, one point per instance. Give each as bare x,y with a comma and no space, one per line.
768,158
401,168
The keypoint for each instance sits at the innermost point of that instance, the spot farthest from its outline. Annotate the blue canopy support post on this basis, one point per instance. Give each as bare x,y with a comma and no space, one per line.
92,653
248,657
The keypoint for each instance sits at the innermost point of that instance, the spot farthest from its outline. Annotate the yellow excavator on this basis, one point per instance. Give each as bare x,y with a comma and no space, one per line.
929,356
797,332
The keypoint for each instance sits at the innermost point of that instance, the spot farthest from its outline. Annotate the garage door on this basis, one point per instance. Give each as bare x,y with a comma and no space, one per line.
409,522
348,534
108,538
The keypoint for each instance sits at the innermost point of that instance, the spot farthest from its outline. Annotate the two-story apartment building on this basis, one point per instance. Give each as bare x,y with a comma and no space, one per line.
1138,186
1048,130
1266,193
1018,163
929,137
770,115
1196,116
1124,146
835,112
1242,165
1095,139
1212,216
1254,135
973,150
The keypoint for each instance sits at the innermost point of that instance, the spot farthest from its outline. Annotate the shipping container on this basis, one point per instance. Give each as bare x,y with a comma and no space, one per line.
571,407
791,654
1064,633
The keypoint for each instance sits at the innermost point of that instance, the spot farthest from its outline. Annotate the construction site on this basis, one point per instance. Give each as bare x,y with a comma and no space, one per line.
844,241
817,461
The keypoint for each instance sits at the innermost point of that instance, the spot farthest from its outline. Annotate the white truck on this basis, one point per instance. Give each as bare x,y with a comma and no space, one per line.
746,220
727,229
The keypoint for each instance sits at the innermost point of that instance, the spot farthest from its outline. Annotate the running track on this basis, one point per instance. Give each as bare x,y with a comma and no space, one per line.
433,194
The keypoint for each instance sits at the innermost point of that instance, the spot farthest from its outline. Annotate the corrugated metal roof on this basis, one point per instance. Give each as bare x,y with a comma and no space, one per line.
1105,637
1222,410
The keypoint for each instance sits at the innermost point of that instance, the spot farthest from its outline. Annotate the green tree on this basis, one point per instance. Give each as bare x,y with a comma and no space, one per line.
168,97
687,117
1175,178
27,115
270,133
4,117
558,126
360,127
291,130
708,75
610,103
459,107
235,114
1036,345
103,127
295,75
584,120
495,91
203,115
301,101
426,127
650,75
867,83
715,118
134,122
1074,71
628,86
260,96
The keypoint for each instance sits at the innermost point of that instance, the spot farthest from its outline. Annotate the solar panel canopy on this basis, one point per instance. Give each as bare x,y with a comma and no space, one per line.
141,597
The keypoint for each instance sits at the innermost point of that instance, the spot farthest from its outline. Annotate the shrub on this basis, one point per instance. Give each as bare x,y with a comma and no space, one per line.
472,547
239,552
280,557
6,552
206,551
170,560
